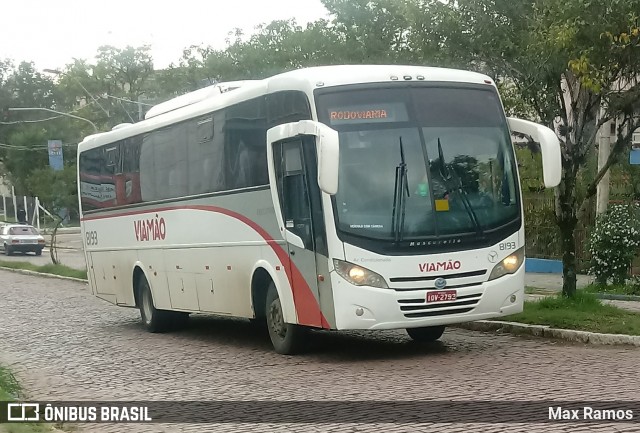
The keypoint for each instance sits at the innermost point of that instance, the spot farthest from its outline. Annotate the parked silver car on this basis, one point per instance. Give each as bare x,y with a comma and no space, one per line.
21,238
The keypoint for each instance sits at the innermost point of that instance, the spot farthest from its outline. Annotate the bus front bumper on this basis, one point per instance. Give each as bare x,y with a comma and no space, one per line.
374,308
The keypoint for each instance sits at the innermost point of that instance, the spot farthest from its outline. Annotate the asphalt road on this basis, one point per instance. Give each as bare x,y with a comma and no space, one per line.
70,252
65,344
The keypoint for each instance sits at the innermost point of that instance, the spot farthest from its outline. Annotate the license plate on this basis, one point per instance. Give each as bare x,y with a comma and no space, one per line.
442,296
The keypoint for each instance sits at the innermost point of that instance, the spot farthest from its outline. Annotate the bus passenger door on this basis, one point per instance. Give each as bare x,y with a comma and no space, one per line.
291,175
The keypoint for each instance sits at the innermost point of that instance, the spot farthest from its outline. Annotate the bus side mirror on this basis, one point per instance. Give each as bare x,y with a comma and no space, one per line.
549,146
328,148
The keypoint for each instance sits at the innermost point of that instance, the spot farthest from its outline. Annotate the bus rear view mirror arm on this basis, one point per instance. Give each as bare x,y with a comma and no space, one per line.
549,146
327,146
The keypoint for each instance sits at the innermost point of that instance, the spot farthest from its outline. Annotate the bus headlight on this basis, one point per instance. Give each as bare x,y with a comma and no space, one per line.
359,276
509,265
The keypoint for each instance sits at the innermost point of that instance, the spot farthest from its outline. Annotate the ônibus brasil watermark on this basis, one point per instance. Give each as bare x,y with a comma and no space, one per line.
317,412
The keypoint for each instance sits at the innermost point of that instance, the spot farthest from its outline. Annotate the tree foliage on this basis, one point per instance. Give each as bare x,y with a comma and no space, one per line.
574,63
614,243
57,189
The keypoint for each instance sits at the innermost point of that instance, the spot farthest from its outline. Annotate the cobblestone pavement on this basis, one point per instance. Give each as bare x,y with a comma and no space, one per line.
64,344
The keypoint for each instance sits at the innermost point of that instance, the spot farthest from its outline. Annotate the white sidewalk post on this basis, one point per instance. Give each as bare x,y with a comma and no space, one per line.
36,213
15,204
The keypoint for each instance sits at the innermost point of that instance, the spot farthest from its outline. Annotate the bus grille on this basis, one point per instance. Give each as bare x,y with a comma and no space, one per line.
478,273
419,307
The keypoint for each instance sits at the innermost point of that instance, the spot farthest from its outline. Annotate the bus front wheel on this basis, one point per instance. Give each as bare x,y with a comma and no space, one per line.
426,334
153,319
287,339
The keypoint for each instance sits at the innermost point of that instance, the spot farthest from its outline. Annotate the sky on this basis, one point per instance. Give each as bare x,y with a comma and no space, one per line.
52,33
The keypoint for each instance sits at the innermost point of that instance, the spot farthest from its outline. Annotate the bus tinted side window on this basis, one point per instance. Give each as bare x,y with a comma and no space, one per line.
164,163
91,179
245,137
215,152
205,155
287,106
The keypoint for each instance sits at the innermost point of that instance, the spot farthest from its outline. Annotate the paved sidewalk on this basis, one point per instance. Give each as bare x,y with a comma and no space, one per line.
633,306
553,282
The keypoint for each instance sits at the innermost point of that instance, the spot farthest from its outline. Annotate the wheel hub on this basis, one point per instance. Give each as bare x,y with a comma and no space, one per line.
277,320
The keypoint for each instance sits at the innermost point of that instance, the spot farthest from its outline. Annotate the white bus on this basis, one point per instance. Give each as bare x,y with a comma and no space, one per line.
338,197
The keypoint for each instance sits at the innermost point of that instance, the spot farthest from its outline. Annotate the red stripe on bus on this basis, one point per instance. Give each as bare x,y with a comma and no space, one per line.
307,306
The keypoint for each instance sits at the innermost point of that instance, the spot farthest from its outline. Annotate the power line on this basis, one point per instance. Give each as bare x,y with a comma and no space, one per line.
14,122
128,100
32,148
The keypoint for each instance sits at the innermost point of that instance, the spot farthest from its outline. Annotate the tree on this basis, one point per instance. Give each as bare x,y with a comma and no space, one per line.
107,92
24,135
575,63
57,190
372,31
124,71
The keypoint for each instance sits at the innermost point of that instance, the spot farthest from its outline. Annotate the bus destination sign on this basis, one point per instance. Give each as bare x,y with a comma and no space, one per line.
370,113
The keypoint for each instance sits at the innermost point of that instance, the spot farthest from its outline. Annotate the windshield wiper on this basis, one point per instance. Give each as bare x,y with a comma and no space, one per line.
399,202
459,188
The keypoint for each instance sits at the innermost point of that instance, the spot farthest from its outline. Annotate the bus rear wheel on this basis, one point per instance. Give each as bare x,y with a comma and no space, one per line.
426,334
287,339
153,319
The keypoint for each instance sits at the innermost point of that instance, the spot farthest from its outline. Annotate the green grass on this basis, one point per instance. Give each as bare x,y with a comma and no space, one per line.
9,391
626,289
50,268
583,313
9,387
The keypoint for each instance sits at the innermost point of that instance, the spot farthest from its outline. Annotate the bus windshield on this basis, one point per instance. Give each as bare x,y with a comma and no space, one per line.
451,144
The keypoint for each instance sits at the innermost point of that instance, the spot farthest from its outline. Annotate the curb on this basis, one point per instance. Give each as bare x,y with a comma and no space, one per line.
608,296
43,274
599,295
548,332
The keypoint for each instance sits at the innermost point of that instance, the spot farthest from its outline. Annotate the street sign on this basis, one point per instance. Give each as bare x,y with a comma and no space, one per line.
56,159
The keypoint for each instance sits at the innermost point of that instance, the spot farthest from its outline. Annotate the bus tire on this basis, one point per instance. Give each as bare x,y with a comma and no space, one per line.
287,339
426,334
154,320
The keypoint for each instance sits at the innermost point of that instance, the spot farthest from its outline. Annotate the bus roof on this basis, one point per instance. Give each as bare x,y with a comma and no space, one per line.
211,98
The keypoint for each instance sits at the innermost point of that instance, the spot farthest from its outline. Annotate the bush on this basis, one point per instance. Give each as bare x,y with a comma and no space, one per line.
614,243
